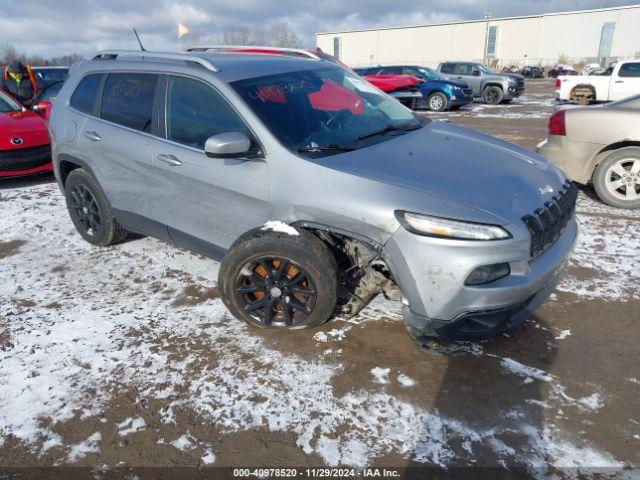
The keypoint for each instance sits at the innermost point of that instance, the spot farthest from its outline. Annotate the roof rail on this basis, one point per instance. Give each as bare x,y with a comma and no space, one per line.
221,48
183,57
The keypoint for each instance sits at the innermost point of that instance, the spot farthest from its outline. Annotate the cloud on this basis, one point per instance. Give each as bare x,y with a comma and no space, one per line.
56,28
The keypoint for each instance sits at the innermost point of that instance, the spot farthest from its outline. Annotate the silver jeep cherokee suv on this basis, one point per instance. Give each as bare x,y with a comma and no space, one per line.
316,190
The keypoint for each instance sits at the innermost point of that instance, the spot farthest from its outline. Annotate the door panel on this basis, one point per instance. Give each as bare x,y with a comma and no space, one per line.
121,160
213,200
627,82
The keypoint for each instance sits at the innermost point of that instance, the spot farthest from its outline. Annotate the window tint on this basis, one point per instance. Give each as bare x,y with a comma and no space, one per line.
127,99
413,71
630,70
447,68
391,71
465,69
195,111
84,97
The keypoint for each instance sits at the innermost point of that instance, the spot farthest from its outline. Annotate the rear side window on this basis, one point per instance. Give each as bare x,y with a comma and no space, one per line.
127,99
630,70
195,112
85,95
447,68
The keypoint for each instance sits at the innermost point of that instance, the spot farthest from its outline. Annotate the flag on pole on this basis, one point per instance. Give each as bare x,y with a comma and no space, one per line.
182,30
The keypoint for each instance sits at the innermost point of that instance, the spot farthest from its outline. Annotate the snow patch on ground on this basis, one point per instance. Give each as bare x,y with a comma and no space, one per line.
605,262
183,443
592,402
405,381
529,373
209,457
563,334
131,425
278,226
381,375
82,449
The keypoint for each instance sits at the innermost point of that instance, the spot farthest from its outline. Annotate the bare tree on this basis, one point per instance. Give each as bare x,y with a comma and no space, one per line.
8,53
241,36
283,35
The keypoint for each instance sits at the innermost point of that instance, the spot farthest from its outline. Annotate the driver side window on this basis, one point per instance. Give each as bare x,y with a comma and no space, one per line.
465,69
195,112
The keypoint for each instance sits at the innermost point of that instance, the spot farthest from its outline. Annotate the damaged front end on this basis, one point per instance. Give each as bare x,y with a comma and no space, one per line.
363,274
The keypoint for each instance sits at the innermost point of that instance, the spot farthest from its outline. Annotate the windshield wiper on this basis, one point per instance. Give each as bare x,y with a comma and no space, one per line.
328,148
390,128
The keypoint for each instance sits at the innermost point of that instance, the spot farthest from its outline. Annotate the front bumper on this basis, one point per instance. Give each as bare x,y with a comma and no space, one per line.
25,161
431,274
515,91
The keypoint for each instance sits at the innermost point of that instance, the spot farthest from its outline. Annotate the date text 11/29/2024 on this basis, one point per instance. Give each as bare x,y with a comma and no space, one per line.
315,473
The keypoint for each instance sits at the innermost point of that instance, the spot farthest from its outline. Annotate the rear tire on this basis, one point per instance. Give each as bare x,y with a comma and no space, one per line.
90,211
617,178
276,280
493,95
437,102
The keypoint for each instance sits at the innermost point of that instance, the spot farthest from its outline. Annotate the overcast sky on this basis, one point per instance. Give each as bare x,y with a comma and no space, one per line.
58,27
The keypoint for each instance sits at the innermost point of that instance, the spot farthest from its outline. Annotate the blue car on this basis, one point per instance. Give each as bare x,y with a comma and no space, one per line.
438,93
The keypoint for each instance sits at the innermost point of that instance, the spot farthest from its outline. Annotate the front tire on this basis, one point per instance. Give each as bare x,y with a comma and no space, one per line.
90,211
617,178
437,102
493,95
277,280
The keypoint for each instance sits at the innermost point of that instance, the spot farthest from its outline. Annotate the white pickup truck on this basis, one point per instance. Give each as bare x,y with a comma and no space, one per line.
622,81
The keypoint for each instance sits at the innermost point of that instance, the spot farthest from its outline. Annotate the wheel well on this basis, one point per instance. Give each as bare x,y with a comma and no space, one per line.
610,148
362,273
492,85
584,86
619,145
66,167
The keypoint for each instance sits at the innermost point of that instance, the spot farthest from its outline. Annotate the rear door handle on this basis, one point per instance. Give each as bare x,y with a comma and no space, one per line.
93,136
169,160
619,81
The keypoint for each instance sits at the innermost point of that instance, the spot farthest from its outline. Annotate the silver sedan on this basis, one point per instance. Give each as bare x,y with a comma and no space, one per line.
599,146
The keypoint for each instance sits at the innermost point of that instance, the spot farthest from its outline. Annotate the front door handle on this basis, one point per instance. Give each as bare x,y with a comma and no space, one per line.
169,160
93,136
619,81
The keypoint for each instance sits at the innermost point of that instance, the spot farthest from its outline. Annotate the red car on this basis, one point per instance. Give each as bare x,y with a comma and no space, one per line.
24,140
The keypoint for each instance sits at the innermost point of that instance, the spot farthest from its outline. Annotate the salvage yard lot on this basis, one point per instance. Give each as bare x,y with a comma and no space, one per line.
126,356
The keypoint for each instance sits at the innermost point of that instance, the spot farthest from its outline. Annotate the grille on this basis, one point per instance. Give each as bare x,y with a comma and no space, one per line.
520,83
468,91
24,158
548,222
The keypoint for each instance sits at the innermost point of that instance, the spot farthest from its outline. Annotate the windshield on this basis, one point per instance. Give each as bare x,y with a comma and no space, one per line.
430,74
8,104
325,111
51,76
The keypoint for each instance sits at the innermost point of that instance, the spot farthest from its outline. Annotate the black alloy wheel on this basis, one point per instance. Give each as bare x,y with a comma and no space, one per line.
276,291
85,209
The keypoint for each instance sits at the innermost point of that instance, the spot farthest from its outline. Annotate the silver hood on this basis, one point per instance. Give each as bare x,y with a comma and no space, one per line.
458,166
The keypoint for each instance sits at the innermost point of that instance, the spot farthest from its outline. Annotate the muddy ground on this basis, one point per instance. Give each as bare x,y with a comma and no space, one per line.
127,357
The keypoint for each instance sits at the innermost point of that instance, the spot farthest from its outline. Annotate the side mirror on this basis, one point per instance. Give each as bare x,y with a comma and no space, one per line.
229,144
476,73
43,108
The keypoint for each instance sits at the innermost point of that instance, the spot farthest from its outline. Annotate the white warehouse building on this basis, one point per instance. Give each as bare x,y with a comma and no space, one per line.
587,36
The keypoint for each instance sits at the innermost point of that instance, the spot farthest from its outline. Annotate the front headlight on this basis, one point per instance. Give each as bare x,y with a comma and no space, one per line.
447,228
